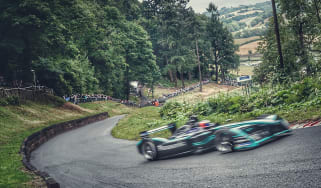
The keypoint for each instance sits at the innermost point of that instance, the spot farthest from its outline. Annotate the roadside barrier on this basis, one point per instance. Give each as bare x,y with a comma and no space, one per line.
174,94
35,140
76,99
305,124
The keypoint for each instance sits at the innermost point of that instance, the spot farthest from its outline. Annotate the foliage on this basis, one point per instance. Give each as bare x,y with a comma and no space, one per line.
299,33
266,100
177,32
175,110
139,120
13,100
298,102
75,47
52,100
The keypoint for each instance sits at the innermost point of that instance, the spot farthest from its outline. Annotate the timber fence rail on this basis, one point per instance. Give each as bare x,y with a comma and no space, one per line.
26,93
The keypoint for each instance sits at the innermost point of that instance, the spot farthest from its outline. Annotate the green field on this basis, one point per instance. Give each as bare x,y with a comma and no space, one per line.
246,40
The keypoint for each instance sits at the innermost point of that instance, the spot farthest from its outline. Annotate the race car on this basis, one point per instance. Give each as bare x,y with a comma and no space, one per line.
196,137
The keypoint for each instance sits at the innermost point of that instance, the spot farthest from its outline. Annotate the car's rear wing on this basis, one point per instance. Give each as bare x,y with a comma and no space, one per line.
171,127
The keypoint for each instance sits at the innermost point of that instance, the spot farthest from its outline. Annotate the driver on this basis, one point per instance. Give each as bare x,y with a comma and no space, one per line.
191,123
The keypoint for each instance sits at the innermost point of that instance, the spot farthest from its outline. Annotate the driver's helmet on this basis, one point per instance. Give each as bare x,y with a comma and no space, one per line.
192,120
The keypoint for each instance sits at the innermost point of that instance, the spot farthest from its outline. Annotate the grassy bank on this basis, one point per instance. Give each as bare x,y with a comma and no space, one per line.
299,102
18,122
149,118
139,120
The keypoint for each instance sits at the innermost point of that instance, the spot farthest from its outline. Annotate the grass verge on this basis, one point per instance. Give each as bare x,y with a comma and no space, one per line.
139,120
149,118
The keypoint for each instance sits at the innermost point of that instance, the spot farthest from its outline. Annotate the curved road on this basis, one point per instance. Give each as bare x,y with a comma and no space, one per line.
91,157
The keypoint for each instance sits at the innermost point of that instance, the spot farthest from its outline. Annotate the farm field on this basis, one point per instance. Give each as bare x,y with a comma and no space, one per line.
209,90
244,40
244,50
244,70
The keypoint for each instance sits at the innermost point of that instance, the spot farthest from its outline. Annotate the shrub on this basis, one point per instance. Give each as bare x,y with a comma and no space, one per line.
268,100
175,110
3,102
51,100
57,101
203,109
13,100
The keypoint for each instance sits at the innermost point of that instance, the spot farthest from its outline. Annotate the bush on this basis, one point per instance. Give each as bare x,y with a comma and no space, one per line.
175,110
13,100
304,94
3,102
203,109
51,99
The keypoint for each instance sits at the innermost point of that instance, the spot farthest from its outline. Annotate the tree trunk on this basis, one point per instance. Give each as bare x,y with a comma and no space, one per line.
303,52
170,73
127,86
199,67
153,88
223,75
317,10
26,65
277,35
216,68
175,77
182,78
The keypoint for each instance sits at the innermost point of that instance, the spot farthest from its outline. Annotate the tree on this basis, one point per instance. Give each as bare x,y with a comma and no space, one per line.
75,46
196,31
140,61
277,34
222,44
214,30
250,53
297,12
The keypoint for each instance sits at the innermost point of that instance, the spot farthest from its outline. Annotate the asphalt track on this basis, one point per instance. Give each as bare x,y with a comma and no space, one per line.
91,157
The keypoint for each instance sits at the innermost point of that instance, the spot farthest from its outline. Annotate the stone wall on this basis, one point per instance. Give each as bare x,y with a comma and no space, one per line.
32,142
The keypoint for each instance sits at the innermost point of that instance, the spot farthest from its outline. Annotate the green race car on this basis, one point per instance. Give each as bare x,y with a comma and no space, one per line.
195,137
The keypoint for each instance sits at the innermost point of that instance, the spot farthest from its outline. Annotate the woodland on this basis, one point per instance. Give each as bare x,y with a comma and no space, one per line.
99,46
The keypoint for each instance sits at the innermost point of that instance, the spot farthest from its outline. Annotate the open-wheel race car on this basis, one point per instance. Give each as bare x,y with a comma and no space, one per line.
195,137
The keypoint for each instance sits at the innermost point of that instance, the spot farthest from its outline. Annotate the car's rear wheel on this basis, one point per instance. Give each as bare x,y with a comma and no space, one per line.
224,142
149,151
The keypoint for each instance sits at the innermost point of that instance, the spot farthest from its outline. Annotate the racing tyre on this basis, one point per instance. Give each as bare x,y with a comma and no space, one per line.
149,151
224,142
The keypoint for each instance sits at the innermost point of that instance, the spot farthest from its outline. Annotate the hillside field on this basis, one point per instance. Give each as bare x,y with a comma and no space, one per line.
244,49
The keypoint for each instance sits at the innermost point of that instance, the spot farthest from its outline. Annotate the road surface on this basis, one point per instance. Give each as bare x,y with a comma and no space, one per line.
91,157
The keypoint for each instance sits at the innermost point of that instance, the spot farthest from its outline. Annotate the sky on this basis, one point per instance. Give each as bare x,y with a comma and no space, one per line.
200,6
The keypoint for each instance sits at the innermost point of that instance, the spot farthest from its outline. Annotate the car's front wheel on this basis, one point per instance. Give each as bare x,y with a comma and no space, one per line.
224,142
149,151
